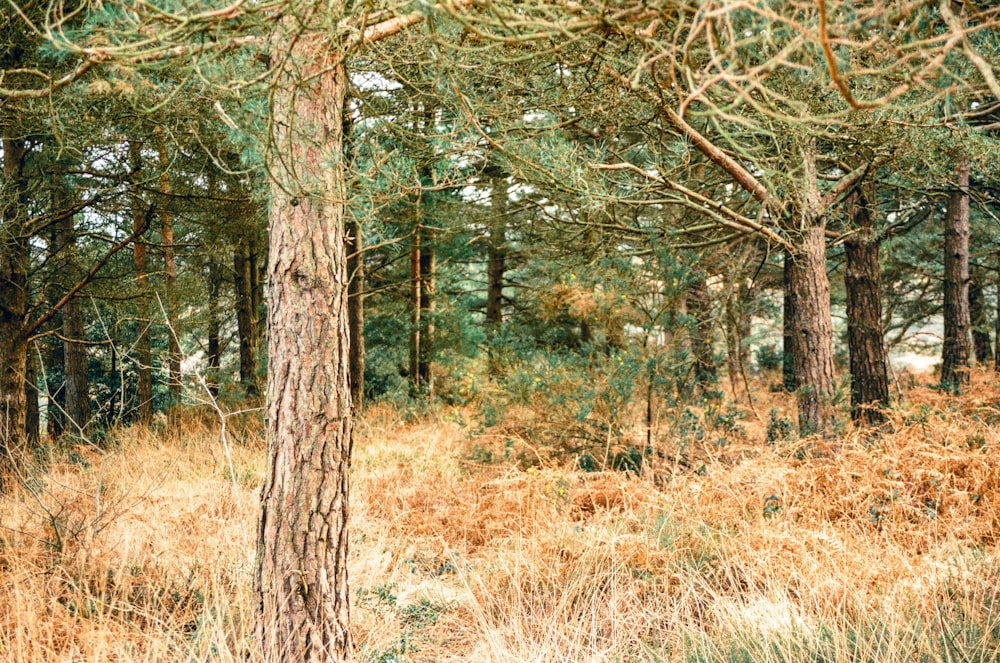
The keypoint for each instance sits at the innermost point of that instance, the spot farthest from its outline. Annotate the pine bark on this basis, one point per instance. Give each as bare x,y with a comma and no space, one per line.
428,285
737,329
13,306
956,349
996,347
789,377
982,344
32,415
76,387
302,589
214,330
812,329
170,278
700,333
356,312
243,269
415,311
865,340
143,347
496,270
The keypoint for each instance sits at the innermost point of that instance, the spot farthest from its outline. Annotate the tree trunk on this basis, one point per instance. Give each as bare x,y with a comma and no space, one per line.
789,377
243,280
76,387
956,348
170,279
996,347
812,330
496,268
143,348
356,312
13,305
428,276
737,329
700,333
32,417
302,589
865,340
415,309
54,362
214,328
981,341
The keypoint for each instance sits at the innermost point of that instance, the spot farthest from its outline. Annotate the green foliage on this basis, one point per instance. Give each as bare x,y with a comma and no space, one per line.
566,404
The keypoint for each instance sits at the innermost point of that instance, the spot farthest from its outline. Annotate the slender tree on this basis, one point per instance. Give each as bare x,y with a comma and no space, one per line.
956,350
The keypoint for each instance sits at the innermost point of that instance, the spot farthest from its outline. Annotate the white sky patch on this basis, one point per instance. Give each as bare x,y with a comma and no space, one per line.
521,191
474,194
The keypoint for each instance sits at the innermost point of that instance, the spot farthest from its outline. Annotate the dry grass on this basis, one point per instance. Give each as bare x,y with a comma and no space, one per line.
852,549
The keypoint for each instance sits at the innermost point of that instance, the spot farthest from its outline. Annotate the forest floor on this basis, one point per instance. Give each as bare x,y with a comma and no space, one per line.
858,548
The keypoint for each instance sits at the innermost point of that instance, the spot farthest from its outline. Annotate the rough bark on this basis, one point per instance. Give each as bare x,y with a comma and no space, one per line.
496,268
812,329
428,276
13,305
415,310
55,354
981,342
996,347
214,328
170,278
32,416
700,333
302,589
865,340
956,348
356,312
143,348
789,377
76,388
243,269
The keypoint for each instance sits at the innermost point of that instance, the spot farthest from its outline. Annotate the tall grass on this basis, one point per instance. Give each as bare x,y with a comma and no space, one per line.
859,548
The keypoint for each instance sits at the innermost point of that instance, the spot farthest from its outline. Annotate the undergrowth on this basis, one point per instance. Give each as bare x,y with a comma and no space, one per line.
762,547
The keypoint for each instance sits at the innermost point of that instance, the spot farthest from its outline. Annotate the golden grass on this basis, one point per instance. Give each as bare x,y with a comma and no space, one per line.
855,548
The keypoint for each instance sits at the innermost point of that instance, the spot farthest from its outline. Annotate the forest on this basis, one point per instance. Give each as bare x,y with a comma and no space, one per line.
499,330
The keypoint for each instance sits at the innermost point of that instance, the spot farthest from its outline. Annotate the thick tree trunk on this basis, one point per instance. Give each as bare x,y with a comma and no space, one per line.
143,348
356,312
981,341
812,330
243,269
170,279
428,277
700,333
865,340
302,587
214,328
13,305
956,348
